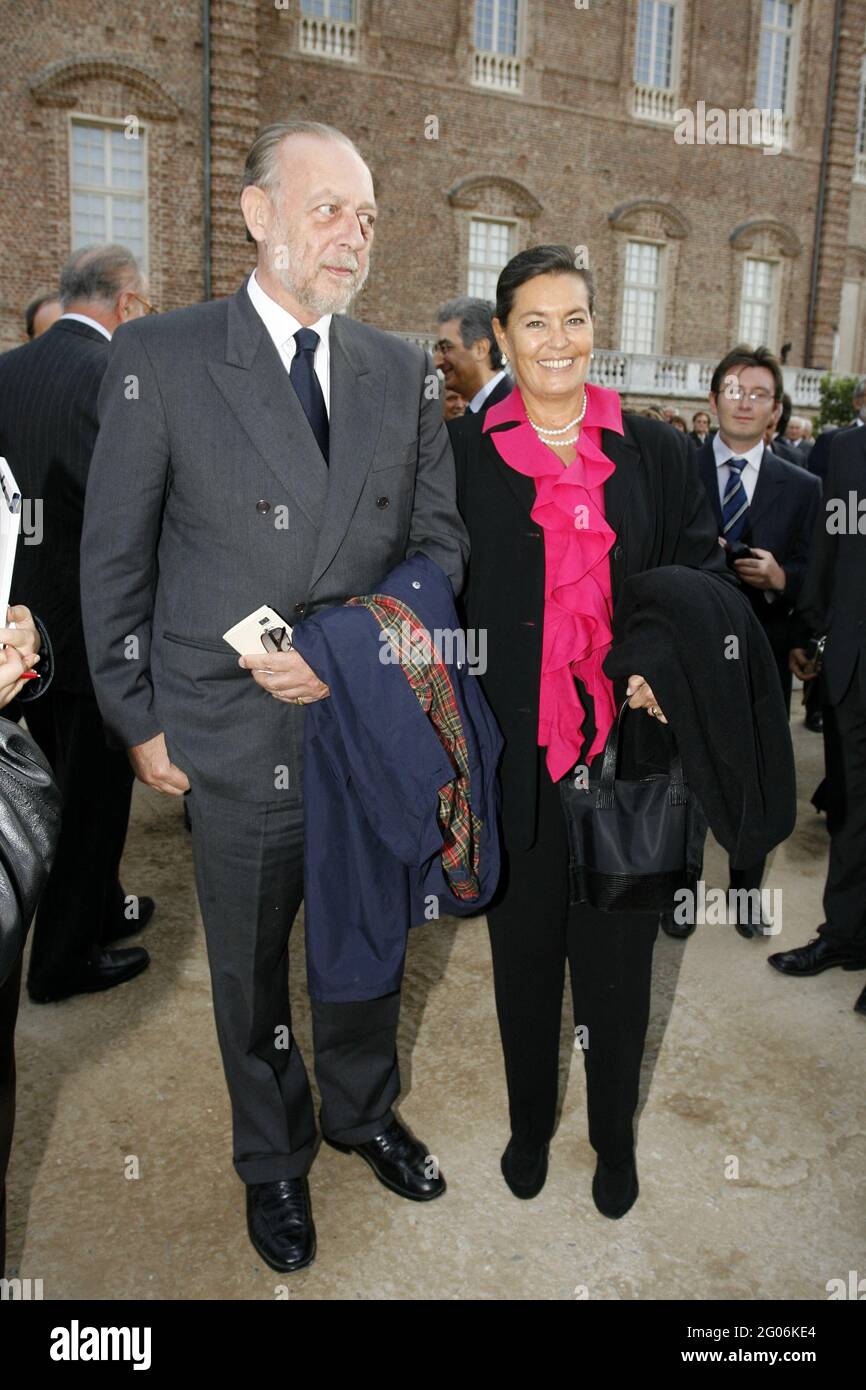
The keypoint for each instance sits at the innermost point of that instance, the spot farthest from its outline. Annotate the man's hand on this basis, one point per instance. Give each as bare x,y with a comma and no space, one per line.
286,676
152,766
642,697
763,572
801,666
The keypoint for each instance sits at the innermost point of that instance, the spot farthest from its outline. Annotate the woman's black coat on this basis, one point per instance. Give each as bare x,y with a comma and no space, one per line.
656,505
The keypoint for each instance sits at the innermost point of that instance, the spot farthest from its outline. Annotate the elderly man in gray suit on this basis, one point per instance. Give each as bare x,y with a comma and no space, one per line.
264,449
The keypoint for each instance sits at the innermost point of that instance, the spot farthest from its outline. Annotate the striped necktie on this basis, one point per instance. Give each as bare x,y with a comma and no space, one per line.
735,503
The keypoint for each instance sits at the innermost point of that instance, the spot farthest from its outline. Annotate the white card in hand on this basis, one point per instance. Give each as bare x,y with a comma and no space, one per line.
247,636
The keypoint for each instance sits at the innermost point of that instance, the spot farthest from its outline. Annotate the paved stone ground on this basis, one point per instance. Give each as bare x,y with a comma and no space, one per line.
741,1064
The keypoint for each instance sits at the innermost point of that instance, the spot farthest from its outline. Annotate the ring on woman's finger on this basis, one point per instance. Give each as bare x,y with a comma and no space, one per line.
654,711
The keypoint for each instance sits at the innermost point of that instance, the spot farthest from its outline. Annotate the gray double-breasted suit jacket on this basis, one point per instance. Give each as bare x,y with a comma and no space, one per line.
208,496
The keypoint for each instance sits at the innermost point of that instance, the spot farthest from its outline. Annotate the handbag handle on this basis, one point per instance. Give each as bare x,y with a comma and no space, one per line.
604,799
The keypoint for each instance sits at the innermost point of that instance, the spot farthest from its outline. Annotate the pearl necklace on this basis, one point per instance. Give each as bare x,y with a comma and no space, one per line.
551,436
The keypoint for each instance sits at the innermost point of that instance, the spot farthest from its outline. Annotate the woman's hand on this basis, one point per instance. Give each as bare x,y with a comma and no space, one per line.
21,643
12,668
642,697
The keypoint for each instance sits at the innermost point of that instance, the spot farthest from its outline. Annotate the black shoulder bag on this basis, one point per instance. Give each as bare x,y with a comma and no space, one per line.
30,806
633,844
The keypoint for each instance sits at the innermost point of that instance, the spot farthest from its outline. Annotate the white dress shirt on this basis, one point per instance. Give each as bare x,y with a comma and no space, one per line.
84,318
282,326
722,452
481,396
749,475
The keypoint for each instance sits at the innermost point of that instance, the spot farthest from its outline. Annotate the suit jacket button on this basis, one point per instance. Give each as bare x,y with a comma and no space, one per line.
300,609
382,502
263,506
617,552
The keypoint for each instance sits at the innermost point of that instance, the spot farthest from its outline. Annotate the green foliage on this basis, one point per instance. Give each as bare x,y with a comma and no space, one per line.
837,407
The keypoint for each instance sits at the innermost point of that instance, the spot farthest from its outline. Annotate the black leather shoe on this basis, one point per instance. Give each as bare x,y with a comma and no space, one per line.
814,957
743,918
280,1223
860,1006
400,1163
615,1188
107,969
130,926
814,721
678,930
525,1169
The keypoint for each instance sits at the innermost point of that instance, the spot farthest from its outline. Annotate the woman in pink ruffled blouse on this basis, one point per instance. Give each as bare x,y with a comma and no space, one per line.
564,497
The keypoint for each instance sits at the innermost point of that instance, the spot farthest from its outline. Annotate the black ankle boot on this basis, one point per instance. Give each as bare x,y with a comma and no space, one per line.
615,1187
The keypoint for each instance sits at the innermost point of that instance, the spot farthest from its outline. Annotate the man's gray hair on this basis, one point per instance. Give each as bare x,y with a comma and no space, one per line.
261,166
475,321
97,275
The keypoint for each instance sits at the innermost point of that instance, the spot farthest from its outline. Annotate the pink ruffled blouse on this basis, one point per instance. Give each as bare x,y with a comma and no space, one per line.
569,507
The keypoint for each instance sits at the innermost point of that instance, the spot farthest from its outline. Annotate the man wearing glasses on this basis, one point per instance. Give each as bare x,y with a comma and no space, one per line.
48,426
766,510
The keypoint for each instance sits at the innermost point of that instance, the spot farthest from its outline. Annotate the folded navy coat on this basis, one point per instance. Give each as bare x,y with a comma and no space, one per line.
374,765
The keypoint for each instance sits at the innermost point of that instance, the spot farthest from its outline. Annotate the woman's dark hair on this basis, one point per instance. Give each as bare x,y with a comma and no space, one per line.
537,260
744,356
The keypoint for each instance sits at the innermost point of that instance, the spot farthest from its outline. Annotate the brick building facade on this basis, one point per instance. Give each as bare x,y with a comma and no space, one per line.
489,125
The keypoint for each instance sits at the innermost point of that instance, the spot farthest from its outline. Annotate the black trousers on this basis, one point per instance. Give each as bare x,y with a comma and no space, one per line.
533,932
845,889
10,993
249,871
83,900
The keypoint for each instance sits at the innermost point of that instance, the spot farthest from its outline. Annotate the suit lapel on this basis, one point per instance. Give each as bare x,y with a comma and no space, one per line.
356,411
255,385
771,477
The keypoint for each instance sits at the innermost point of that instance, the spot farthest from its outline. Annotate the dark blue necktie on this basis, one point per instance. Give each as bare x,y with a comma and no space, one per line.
302,375
735,503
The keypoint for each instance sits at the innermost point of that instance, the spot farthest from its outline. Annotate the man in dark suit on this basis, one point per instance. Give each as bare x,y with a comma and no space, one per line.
831,604
700,431
48,392
819,457
467,354
274,451
760,501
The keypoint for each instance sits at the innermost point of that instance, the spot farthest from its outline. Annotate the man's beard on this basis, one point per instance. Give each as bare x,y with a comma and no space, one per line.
305,290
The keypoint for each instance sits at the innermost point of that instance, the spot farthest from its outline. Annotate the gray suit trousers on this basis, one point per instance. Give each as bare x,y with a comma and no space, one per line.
249,873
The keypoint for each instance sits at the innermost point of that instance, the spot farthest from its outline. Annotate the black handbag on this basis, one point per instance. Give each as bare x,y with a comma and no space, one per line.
30,808
633,844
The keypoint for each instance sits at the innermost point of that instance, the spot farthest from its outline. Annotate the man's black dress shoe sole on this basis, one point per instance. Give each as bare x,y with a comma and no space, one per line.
386,1182
134,960
845,964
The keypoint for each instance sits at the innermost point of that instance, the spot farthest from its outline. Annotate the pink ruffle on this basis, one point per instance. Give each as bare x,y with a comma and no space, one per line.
569,507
